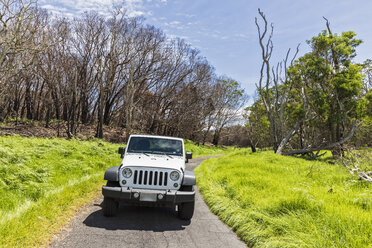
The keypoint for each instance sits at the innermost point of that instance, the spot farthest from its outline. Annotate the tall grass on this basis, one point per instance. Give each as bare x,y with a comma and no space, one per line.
202,150
44,181
275,201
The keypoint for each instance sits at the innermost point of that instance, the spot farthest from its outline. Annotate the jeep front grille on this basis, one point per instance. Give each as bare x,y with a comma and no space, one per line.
150,177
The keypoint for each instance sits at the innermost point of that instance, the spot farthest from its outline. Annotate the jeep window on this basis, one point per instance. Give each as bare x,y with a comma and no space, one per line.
149,145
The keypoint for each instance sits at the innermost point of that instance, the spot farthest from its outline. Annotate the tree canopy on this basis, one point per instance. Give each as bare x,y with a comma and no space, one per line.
318,98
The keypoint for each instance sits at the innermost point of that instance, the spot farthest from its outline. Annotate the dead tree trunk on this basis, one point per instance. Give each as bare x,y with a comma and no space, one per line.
326,147
268,87
351,162
287,138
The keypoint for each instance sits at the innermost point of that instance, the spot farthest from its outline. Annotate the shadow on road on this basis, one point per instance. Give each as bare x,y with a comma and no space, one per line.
138,218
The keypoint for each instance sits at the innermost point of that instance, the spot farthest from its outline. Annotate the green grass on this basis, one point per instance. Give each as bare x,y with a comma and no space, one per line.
44,181
271,200
202,150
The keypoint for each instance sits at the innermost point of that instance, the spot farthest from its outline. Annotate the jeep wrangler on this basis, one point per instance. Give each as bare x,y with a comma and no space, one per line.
152,173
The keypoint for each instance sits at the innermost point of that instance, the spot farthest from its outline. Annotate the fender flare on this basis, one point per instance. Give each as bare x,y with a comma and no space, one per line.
189,178
112,174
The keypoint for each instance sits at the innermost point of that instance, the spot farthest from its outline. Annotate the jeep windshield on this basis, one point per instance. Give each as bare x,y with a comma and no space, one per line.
149,145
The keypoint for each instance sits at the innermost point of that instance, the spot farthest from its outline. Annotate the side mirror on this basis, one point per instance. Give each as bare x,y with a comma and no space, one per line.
188,156
121,151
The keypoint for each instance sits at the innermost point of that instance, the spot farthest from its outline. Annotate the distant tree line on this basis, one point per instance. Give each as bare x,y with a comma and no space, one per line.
109,71
316,102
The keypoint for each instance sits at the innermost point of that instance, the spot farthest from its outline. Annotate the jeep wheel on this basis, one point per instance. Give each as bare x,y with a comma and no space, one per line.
110,207
186,210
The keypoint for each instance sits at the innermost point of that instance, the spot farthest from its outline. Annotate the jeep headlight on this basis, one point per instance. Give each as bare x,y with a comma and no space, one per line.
174,175
127,173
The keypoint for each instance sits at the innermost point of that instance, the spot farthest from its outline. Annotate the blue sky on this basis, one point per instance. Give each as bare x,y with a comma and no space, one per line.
225,32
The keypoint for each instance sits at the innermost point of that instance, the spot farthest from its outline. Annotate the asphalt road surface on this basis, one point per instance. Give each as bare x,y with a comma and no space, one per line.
143,227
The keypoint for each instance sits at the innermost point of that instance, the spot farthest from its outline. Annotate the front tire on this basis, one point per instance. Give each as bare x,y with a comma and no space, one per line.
186,210
110,207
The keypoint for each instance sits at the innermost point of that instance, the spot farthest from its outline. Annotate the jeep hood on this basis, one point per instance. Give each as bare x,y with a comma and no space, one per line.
154,160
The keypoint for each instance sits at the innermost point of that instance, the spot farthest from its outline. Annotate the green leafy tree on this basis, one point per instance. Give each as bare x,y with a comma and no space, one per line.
229,98
258,125
326,87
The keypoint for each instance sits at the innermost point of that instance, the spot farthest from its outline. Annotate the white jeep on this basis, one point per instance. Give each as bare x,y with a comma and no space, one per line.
152,173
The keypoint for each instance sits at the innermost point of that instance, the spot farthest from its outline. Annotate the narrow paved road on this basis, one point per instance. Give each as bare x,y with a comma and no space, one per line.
143,227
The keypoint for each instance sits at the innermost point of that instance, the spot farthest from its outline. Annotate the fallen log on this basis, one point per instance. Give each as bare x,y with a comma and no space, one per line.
351,162
325,147
287,138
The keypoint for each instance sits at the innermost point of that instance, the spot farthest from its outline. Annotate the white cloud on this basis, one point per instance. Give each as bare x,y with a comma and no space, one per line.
242,35
174,36
77,7
134,13
134,7
54,8
186,15
173,23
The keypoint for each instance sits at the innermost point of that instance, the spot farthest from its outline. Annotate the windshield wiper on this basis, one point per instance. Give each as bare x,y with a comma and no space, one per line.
163,153
145,153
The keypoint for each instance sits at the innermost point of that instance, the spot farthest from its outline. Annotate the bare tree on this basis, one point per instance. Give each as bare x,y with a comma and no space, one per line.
272,95
105,71
21,39
229,99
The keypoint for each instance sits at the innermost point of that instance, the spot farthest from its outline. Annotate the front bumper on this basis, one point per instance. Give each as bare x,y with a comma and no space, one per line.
148,196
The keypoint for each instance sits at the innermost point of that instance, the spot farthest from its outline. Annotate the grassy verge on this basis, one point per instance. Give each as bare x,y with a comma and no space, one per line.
275,201
44,181
202,151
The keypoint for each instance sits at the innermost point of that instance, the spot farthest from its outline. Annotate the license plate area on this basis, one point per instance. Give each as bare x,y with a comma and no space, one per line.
148,197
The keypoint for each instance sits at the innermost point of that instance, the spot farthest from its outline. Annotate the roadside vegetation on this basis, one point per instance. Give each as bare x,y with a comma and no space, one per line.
79,71
271,200
202,150
44,181
321,100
